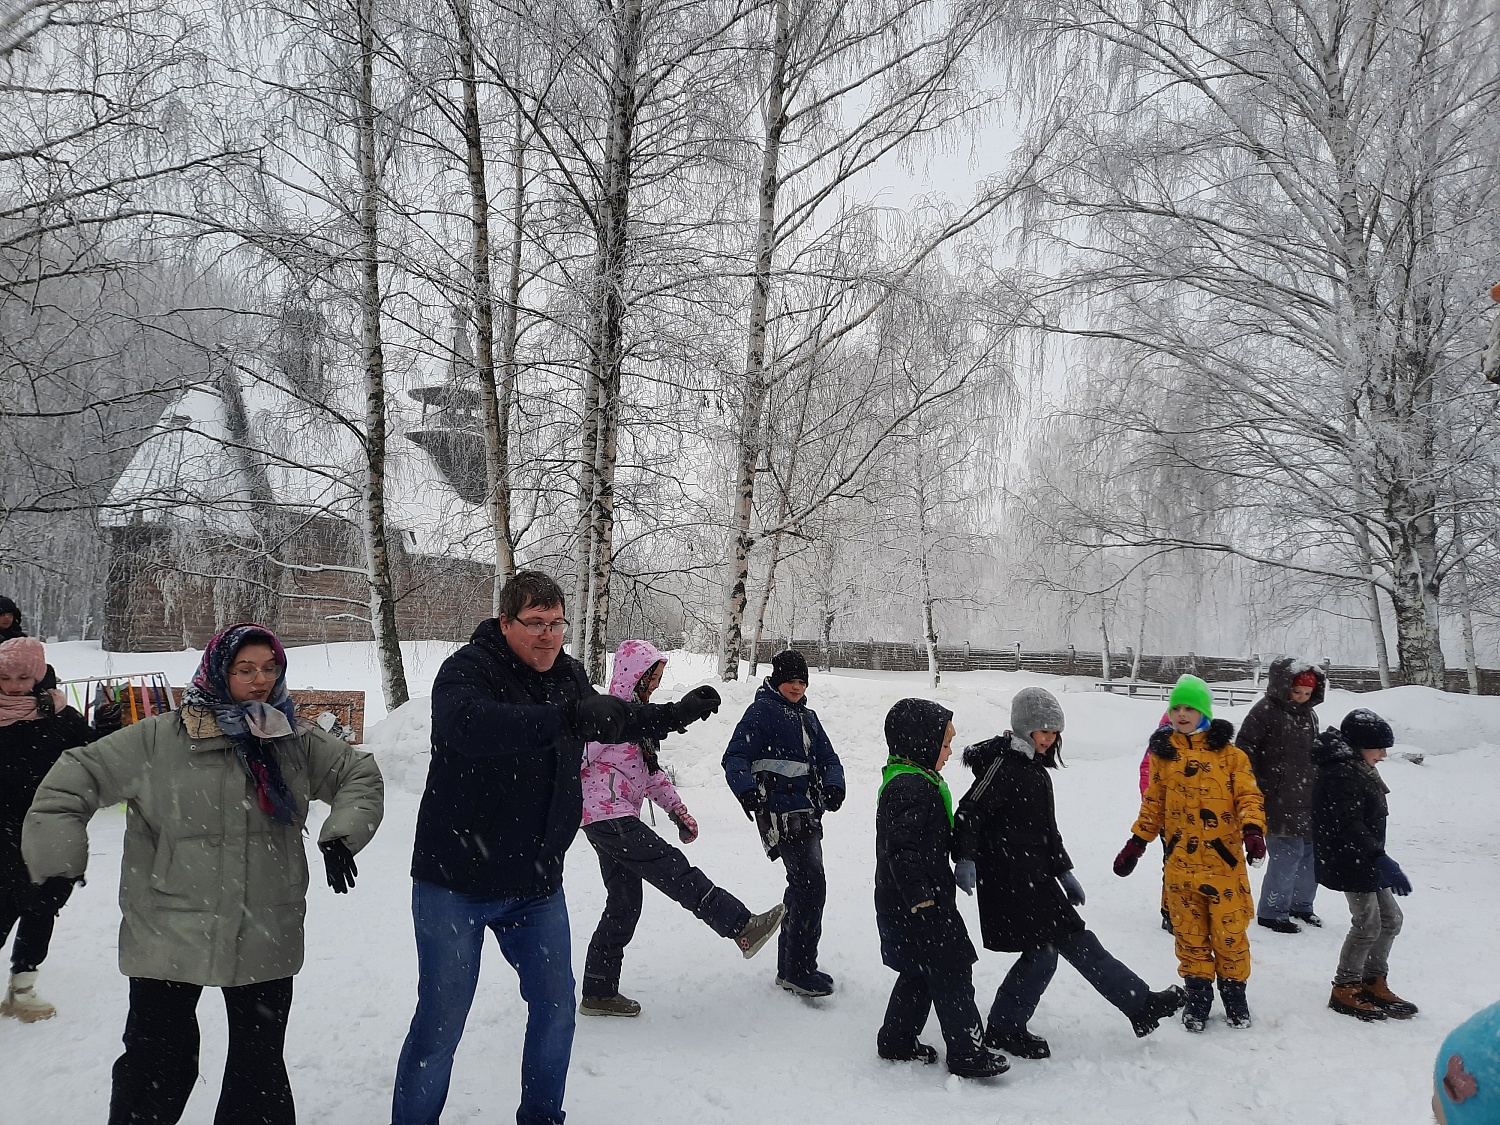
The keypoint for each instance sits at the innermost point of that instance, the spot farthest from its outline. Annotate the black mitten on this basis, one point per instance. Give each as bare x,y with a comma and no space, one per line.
697,704
752,800
833,798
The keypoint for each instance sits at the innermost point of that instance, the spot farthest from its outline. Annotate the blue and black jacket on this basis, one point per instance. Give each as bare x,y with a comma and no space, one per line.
782,747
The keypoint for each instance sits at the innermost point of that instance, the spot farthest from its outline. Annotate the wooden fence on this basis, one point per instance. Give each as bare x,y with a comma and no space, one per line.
903,656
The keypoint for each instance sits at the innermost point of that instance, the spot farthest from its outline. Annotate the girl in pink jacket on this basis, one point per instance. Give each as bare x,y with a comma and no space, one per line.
618,778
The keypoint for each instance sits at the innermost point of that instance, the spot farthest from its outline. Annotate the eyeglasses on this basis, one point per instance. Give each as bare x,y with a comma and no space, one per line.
247,673
539,628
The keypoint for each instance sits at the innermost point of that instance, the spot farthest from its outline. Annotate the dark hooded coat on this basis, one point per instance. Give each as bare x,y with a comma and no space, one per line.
15,628
1007,824
1277,736
28,749
912,846
1349,815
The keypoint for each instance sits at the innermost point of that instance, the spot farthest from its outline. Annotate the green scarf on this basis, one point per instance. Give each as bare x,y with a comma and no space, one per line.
895,767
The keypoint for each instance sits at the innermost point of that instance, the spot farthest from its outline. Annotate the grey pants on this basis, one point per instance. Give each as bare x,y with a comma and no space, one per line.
1375,920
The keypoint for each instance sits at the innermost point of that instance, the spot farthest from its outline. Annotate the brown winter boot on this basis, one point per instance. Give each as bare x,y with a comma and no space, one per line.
1377,992
1349,1000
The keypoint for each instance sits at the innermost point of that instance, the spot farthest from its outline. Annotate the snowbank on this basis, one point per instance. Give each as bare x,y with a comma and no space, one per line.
717,1043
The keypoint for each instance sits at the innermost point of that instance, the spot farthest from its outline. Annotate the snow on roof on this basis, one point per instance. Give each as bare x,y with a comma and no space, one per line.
188,473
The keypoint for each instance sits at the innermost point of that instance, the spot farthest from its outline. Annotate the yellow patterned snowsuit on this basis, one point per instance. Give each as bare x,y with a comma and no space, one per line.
1201,802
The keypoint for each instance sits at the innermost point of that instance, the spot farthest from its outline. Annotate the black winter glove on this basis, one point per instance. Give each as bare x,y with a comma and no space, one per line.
1160,744
697,704
338,862
51,896
109,717
752,800
833,798
1220,734
598,718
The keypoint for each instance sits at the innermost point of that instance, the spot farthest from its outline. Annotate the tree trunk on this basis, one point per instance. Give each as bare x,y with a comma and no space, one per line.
614,211
1415,590
1104,641
495,406
1465,599
756,383
377,554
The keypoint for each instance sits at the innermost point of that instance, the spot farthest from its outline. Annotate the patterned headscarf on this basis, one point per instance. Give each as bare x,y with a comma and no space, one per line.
252,727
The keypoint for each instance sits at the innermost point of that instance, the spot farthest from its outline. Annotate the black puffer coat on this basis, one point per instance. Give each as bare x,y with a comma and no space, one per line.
1277,736
1007,825
1349,814
29,749
912,846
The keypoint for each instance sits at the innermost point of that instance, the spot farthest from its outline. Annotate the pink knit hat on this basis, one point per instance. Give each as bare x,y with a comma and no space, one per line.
23,656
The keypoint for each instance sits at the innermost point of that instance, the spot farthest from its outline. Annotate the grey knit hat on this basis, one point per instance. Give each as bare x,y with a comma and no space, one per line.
1035,708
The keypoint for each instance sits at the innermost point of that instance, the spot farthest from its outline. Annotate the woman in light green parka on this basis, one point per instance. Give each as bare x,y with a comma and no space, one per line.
213,884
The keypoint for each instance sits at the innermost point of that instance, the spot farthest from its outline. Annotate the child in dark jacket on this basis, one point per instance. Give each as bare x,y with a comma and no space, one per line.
1008,844
1349,814
922,934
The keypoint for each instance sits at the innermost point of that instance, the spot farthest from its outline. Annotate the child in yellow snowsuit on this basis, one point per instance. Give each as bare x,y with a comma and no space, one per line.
1203,799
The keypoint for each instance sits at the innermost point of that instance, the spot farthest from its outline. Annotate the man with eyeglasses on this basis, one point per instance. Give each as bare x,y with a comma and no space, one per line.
511,713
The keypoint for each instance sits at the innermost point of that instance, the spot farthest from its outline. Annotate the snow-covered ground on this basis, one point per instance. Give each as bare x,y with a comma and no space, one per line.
718,1043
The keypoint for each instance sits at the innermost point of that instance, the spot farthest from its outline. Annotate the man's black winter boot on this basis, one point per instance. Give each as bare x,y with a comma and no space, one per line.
987,1064
913,1052
1200,1001
1158,1006
1236,1007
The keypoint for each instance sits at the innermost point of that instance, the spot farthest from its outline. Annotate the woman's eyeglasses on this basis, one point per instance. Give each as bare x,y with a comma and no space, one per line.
247,673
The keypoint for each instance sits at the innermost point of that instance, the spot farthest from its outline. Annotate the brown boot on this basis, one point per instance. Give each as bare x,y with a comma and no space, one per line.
1349,1000
1379,993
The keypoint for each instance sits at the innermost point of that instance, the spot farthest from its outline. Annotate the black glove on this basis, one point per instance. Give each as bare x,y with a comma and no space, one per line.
752,800
833,798
697,704
338,861
109,717
599,718
1160,744
1220,734
51,896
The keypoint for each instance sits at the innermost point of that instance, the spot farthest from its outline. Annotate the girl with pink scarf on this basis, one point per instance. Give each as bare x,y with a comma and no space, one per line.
36,726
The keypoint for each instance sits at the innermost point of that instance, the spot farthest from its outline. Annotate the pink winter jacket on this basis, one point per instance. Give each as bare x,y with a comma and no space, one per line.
615,779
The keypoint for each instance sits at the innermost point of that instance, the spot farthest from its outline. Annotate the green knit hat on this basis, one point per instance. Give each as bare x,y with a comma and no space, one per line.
1190,691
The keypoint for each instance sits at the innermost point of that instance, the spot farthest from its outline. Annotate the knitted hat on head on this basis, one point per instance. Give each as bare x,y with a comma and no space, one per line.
1365,730
1190,691
1466,1074
1308,679
788,665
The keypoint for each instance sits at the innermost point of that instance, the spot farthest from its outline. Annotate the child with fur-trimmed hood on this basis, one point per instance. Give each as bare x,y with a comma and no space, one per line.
1203,799
1010,849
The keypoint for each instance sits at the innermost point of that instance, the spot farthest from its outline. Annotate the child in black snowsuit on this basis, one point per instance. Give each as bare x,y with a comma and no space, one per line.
1008,844
922,935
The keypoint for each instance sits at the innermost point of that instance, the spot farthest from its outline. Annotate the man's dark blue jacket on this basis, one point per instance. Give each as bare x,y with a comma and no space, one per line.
503,799
769,743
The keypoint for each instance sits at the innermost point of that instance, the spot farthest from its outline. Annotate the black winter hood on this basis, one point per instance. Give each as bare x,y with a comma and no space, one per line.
1331,747
914,730
1279,677
17,628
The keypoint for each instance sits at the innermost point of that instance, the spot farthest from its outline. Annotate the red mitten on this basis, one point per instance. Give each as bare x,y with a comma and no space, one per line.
1255,844
1129,856
687,827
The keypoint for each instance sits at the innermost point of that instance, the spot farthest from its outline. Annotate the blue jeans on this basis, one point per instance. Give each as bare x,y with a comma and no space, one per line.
1291,878
1021,990
533,934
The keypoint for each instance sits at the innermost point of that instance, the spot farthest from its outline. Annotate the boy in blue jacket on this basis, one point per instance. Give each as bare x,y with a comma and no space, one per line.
783,770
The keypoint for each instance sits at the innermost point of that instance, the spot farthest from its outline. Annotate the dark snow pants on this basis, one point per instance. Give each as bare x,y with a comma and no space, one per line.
1022,988
806,892
33,933
916,994
630,853
155,1075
